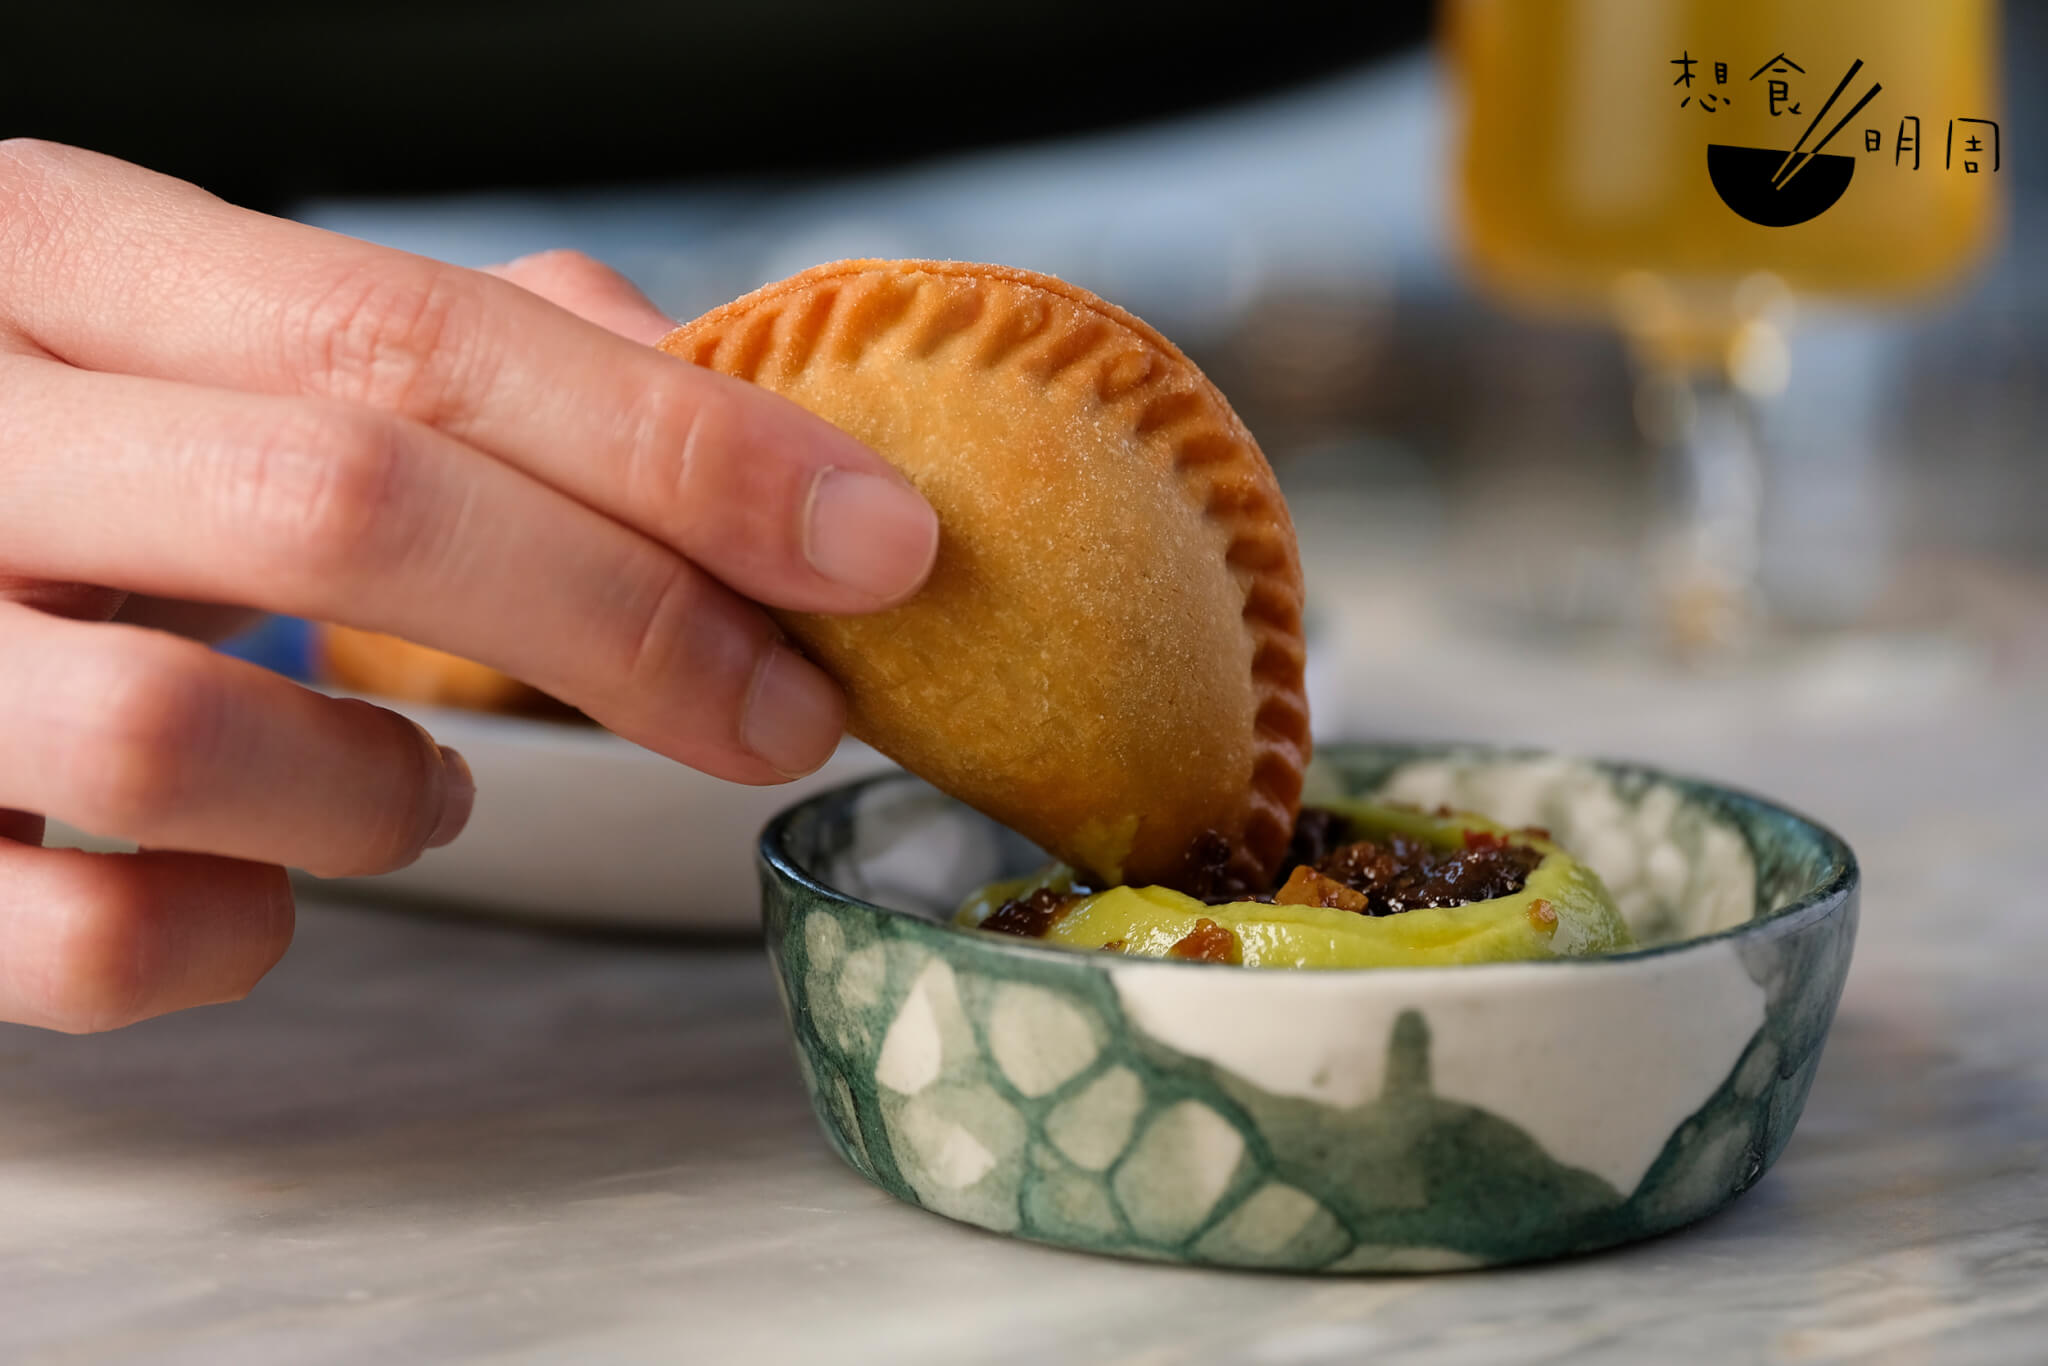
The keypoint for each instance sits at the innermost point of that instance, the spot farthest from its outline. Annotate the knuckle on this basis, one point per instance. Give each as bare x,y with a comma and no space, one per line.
711,483
36,205
562,271
663,625
679,437
387,334
21,157
323,493
564,263
148,729
25,161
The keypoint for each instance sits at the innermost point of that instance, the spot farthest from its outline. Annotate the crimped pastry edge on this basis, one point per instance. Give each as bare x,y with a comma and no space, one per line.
1272,608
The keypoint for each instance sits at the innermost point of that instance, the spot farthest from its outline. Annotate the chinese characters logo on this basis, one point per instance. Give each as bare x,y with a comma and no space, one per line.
1779,188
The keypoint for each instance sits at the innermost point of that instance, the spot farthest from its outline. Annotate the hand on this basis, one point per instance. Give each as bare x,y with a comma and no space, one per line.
200,404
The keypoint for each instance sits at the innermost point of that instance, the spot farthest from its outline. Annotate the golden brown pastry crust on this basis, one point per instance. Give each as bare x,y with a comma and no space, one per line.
1108,655
364,661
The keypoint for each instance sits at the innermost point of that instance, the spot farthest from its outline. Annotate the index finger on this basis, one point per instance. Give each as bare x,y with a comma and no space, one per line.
115,268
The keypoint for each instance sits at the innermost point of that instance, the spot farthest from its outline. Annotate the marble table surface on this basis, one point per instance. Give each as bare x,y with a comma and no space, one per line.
427,1139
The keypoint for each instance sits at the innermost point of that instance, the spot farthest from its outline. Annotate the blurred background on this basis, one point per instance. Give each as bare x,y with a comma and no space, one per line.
1580,457
1579,454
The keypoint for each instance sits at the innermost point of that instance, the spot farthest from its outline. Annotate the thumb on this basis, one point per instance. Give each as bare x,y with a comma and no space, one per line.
591,290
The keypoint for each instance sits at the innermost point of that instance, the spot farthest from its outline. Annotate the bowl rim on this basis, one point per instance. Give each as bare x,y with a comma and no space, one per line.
1816,904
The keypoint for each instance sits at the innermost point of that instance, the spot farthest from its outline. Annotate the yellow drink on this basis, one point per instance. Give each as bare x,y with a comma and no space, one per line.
1580,165
1585,188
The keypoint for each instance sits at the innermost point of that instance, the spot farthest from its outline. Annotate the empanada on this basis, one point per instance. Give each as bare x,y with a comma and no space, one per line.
1108,655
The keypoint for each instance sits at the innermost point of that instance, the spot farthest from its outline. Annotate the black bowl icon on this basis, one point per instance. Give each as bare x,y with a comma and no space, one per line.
1743,177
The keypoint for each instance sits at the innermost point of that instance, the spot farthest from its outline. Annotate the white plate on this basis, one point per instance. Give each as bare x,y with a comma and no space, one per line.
573,824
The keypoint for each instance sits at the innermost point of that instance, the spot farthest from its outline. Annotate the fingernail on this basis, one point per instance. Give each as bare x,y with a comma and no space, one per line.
869,532
457,799
794,715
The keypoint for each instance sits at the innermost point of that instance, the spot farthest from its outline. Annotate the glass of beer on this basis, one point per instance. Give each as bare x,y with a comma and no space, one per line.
1687,168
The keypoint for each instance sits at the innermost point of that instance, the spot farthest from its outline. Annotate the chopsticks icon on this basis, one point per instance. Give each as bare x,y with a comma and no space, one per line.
1795,160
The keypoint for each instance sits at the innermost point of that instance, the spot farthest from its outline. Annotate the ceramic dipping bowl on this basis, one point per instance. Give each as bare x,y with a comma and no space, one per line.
1392,1119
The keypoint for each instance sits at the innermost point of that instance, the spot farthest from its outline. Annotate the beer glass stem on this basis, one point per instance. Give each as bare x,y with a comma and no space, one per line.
1708,532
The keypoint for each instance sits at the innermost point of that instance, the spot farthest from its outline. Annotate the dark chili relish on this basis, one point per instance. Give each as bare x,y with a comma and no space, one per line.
1324,866
1397,873
1030,915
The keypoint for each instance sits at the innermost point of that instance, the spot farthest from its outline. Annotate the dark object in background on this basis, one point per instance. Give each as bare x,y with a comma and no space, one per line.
265,103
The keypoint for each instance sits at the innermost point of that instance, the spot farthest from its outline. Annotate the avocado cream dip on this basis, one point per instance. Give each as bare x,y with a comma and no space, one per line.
1362,886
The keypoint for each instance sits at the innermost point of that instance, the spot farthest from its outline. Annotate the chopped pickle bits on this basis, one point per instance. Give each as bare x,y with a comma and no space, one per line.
1207,942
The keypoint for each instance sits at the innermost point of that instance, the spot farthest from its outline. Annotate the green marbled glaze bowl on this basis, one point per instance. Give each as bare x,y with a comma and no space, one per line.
1395,1119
